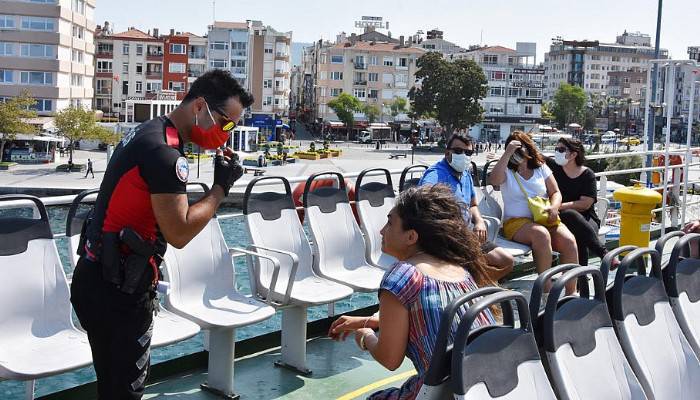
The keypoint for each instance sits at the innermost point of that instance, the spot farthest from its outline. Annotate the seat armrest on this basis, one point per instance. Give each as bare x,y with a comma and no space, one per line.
292,274
275,272
493,224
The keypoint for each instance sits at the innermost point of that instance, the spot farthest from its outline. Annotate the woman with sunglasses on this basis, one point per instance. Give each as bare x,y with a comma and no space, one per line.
579,195
520,169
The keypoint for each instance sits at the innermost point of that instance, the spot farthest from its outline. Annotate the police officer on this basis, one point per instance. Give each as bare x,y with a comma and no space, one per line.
141,206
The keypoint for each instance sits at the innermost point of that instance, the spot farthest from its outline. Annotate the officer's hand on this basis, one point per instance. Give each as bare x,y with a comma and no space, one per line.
226,169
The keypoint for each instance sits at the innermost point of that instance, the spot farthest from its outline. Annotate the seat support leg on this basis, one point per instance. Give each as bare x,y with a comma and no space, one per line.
29,389
294,340
222,346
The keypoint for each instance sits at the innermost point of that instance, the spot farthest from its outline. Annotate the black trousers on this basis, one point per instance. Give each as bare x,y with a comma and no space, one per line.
586,233
119,327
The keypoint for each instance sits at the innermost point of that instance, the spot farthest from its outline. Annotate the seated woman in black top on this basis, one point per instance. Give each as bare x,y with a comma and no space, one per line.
579,193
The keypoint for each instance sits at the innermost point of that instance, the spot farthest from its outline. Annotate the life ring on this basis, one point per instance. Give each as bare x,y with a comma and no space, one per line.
298,193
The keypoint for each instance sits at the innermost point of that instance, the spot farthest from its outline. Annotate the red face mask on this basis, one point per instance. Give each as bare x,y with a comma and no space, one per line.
212,138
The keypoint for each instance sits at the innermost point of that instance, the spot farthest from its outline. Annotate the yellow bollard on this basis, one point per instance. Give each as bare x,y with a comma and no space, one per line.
635,222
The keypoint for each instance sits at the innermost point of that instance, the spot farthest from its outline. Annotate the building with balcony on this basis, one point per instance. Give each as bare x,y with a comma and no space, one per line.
588,63
229,45
196,57
47,48
270,69
129,66
514,97
434,41
374,72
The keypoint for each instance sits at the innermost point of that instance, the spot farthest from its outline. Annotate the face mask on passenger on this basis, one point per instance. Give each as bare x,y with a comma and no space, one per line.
460,162
560,158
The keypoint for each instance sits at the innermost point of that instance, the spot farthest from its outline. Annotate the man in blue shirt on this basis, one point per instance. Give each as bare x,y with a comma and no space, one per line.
453,171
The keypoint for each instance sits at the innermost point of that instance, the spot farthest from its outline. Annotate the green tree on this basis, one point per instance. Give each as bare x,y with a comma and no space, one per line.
13,115
397,106
569,105
371,111
77,123
448,90
547,111
107,136
345,106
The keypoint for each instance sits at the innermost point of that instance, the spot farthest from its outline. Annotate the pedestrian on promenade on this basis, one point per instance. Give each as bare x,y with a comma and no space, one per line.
89,169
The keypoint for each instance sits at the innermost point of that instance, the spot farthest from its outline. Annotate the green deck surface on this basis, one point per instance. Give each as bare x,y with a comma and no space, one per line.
338,369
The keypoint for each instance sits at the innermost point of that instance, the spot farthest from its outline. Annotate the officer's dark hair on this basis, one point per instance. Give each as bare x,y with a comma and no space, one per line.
217,86
462,138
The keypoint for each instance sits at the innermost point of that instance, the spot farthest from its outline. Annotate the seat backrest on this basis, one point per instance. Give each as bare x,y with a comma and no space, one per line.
272,221
436,382
584,357
374,201
489,202
34,295
338,241
682,282
405,181
645,322
201,270
498,361
602,207
75,221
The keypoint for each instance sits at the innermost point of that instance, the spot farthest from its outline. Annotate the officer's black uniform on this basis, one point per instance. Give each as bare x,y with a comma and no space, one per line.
119,325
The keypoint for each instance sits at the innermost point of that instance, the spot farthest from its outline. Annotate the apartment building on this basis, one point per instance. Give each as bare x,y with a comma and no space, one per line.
374,72
588,63
514,97
258,56
196,57
129,66
47,48
270,69
229,46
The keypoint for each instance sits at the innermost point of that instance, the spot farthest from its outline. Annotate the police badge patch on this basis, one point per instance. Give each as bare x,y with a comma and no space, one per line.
182,169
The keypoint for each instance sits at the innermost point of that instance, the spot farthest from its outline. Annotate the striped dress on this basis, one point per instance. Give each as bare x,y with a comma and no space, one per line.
425,298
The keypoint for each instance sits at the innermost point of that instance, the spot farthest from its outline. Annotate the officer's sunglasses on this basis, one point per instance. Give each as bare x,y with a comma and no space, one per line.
228,123
458,150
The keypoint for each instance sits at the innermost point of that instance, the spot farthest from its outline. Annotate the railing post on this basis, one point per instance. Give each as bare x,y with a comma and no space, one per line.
676,194
29,389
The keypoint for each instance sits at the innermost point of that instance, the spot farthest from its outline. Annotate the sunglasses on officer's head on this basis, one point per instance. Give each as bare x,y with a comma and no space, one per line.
459,150
228,123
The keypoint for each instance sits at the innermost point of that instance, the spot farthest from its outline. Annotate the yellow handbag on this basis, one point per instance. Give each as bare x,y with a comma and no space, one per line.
538,207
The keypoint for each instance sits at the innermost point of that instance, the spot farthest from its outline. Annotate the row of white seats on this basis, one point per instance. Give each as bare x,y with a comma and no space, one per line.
635,339
202,281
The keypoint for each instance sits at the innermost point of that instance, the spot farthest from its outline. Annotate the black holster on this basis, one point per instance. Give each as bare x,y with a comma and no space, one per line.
128,272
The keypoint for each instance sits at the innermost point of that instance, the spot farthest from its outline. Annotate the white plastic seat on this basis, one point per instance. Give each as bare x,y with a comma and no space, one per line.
38,337
490,205
650,336
339,248
168,328
202,288
290,284
603,207
374,201
682,282
498,362
584,357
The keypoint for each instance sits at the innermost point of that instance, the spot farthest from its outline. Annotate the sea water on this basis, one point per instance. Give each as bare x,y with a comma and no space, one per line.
236,235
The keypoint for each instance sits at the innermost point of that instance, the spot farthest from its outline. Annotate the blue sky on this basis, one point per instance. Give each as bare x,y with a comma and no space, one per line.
502,22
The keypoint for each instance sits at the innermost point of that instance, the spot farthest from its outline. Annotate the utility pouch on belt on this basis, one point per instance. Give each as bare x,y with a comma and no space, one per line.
111,258
83,233
137,263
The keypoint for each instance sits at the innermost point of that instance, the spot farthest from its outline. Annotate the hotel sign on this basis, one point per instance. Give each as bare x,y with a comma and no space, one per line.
375,22
531,71
516,120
